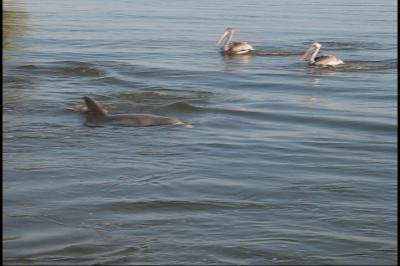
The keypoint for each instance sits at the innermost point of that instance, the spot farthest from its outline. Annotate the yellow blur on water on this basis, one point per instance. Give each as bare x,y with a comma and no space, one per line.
15,24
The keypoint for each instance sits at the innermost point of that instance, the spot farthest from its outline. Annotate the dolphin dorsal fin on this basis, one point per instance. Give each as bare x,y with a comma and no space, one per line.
95,109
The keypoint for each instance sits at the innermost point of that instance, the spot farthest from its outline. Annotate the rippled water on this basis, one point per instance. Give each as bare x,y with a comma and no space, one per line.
285,163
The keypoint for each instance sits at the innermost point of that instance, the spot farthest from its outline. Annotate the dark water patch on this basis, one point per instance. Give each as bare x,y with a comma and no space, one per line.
28,67
169,71
143,71
365,125
38,105
163,204
118,81
189,93
11,80
148,96
334,187
325,121
186,205
76,254
16,82
85,71
64,68
275,255
86,250
164,96
79,69
144,101
361,146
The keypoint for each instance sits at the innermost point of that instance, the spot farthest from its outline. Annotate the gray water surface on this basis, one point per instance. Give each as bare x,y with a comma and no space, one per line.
285,163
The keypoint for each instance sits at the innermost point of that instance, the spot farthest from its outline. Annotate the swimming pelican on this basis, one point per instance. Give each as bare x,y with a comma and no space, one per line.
233,47
323,60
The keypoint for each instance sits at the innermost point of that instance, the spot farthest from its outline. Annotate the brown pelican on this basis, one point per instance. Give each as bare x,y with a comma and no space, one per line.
323,60
233,47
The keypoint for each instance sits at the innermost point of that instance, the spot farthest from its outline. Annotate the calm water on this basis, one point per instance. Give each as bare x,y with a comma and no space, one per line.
285,164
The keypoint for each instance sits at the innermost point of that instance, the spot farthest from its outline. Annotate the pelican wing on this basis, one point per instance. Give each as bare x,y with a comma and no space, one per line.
240,47
327,60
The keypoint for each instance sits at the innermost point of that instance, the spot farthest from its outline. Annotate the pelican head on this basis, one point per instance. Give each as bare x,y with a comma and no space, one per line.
316,45
226,36
311,52
230,29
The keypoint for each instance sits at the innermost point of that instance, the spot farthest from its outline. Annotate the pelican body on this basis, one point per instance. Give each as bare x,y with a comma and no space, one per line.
233,47
324,60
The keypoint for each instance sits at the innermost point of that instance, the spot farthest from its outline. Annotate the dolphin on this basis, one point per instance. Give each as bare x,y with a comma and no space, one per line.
97,115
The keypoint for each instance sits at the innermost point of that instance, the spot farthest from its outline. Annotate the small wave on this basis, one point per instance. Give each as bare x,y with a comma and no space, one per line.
17,82
124,205
69,68
146,96
84,71
111,80
159,94
314,120
79,107
162,204
183,107
31,66
189,93
355,66
335,187
348,45
275,53
79,249
388,64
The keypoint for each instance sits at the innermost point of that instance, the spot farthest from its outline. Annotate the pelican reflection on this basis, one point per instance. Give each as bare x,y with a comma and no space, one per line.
317,72
230,60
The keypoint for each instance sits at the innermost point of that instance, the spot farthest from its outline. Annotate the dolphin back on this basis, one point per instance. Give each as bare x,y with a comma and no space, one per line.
97,115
